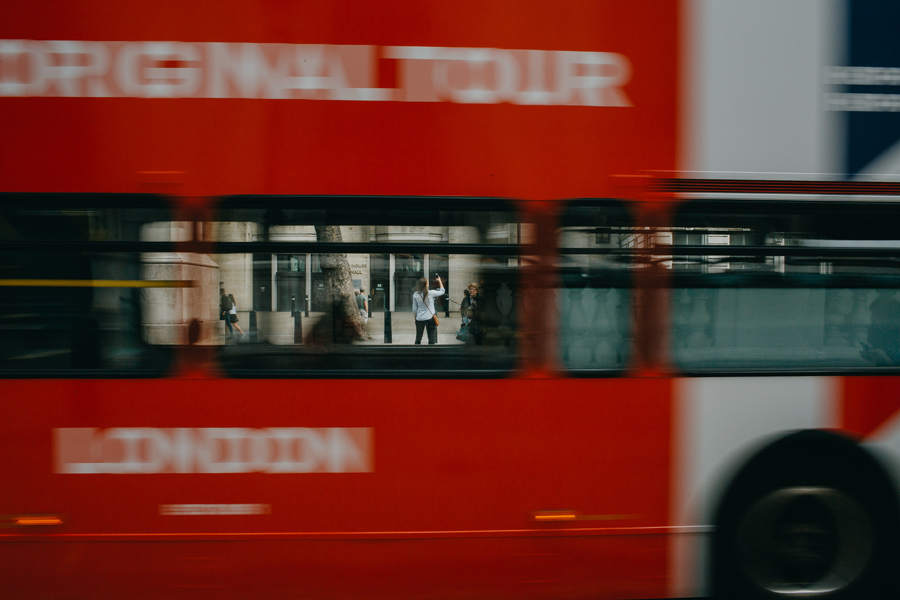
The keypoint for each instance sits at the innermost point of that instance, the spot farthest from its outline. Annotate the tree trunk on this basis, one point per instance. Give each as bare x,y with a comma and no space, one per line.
348,324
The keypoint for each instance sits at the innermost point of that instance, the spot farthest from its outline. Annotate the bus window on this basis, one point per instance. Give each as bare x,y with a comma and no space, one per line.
324,285
86,287
594,299
786,285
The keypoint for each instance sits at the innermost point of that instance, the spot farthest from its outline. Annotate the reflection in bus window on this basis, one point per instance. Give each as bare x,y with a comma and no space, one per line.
594,301
785,286
295,266
71,302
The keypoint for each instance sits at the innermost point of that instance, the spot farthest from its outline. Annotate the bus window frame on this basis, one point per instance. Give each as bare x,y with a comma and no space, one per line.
348,207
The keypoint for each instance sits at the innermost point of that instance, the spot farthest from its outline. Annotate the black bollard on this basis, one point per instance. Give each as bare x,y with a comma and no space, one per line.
387,327
298,327
298,321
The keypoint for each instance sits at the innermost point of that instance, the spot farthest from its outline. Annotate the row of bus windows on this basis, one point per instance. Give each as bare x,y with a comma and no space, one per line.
317,290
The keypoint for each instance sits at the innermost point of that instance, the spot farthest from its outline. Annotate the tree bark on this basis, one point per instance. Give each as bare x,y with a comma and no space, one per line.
348,323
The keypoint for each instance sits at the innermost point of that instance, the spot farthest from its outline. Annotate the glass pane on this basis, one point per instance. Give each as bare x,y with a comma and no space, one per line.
594,299
785,286
86,218
343,281
69,303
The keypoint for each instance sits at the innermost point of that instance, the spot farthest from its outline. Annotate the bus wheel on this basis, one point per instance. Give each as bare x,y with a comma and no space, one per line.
812,523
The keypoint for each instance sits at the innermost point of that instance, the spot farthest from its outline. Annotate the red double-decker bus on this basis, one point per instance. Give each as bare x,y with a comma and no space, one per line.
665,363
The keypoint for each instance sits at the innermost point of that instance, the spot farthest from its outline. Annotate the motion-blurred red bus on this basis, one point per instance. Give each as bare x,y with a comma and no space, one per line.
683,380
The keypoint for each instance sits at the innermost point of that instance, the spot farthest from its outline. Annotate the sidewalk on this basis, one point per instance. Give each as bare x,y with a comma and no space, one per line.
403,329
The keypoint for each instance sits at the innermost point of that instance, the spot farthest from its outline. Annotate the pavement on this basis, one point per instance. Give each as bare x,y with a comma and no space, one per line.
403,329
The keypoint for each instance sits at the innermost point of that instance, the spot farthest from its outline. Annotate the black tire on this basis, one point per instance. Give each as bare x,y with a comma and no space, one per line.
812,515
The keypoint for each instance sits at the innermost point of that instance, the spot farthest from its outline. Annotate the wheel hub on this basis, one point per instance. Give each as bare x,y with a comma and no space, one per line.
809,541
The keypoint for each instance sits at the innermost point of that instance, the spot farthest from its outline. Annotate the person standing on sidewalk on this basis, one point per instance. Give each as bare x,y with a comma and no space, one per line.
363,306
470,308
232,316
225,305
423,306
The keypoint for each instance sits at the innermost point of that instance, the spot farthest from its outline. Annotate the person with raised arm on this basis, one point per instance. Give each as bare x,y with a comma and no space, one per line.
423,306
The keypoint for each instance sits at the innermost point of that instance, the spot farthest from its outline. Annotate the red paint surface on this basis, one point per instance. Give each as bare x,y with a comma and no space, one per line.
472,457
240,146
868,402
457,477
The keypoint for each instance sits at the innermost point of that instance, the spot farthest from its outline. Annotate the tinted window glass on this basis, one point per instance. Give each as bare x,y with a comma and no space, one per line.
785,285
85,286
594,299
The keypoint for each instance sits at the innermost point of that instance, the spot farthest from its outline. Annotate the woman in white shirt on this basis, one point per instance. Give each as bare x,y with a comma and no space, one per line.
423,306
232,316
